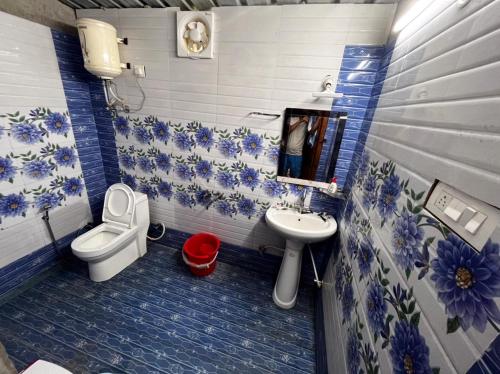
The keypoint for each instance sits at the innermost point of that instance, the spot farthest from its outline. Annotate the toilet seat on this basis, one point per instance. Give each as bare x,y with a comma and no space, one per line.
101,241
119,205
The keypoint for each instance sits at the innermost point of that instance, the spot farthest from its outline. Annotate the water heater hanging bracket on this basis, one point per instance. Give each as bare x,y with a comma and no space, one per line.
122,41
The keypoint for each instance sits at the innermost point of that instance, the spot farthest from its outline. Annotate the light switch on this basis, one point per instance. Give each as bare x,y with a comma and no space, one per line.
467,215
475,223
455,209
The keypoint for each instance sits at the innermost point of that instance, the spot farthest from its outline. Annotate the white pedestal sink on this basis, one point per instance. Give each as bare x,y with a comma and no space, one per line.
298,229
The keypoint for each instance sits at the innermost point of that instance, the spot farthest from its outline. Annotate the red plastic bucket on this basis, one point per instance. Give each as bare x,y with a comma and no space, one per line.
200,253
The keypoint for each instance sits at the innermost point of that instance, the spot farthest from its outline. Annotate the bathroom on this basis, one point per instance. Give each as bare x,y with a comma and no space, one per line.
137,134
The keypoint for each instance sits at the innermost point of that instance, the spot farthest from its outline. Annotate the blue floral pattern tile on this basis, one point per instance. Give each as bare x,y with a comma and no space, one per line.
39,164
415,248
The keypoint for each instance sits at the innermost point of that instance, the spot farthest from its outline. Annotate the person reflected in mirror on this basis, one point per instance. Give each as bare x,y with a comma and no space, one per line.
298,132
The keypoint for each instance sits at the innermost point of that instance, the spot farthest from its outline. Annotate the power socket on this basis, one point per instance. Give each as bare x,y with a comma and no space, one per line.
443,200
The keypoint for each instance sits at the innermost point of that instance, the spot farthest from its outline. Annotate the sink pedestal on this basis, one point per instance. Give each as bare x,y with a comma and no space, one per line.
287,284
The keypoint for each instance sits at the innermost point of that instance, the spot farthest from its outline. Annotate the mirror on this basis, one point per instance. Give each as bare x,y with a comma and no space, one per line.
310,145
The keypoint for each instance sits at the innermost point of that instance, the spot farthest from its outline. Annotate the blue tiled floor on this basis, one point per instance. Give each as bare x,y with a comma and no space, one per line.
155,317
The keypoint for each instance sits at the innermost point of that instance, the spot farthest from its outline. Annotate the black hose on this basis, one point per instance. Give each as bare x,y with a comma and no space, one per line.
46,219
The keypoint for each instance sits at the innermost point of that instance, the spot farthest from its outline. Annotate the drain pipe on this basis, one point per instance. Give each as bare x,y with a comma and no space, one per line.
45,218
318,282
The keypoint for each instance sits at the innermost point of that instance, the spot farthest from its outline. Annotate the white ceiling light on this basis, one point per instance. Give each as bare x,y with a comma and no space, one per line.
194,34
410,14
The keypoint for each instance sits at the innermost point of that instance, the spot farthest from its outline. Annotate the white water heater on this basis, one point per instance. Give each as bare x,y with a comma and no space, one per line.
99,44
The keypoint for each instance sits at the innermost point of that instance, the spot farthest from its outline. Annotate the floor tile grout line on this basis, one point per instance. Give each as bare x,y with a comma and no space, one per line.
194,342
208,280
155,315
141,347
188,307
65,344
218,286
90,339
183,297
282,320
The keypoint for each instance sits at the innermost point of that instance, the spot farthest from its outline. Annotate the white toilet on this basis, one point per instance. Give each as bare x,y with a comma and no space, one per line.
120,239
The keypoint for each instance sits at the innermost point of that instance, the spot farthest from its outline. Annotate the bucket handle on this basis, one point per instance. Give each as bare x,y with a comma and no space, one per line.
199,266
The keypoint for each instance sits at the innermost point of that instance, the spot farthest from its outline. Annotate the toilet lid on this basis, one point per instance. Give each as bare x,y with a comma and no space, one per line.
119,205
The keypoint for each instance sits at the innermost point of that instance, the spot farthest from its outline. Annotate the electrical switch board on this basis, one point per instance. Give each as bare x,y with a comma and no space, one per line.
472,219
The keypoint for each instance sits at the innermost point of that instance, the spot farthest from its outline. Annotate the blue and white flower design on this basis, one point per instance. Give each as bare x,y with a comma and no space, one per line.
353,352
163,162
165,190
246,207
184,199
203,197
249,177
13,205
142,135
228,148
204,137
183,141
203,169
406,239
352,244
161,131
253,144
121,126
148,190
389,194
376,307
409,352
347,300
145,164
129,180
48,200
27,133
273,154
273,188
183,171
297,189
127,160
365,257
37,169
225,208
73,186
57,123
226,179
467,282
370,191
7,169
65,156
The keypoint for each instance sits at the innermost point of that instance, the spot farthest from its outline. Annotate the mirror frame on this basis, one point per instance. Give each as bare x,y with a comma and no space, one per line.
341,119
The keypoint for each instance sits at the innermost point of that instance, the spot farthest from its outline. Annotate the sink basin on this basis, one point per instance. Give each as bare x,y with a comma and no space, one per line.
305,228
298,229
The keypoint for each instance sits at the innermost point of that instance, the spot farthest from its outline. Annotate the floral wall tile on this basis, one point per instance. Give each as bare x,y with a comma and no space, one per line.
40,169
413,279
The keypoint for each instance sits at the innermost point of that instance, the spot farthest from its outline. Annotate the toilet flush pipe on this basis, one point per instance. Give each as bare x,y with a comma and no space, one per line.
45,218
318,282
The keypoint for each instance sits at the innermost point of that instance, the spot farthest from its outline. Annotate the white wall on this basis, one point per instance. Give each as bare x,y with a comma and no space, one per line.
266,59
29,78
437,118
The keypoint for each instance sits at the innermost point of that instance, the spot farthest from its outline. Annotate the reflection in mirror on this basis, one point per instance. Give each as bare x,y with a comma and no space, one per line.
310,145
